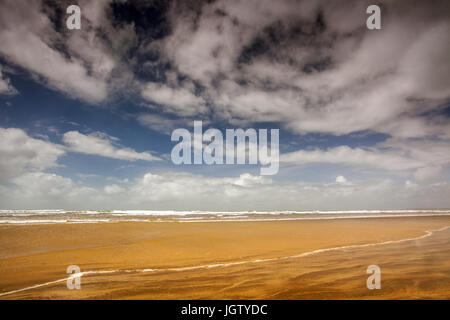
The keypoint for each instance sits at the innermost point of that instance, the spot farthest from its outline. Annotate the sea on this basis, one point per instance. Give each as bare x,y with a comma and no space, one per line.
98,216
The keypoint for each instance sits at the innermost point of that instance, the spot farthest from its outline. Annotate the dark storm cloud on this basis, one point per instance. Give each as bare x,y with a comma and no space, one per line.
148,17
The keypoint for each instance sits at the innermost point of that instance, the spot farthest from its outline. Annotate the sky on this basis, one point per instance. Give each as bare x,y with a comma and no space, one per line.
86,115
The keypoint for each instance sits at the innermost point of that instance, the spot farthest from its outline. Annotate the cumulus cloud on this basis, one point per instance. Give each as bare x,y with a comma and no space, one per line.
248,180
45,190
185,191
341,180
102,145
20,153
425,158
113,189
46,185
24,161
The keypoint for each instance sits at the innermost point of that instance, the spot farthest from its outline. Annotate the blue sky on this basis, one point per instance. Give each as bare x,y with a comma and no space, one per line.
86,115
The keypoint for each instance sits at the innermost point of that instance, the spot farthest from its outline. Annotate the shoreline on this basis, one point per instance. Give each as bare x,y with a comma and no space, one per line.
194,220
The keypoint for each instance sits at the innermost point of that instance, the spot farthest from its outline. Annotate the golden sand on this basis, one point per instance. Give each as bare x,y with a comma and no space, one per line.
229,260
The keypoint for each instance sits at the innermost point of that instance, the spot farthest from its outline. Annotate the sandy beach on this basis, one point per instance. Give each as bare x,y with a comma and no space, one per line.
308,259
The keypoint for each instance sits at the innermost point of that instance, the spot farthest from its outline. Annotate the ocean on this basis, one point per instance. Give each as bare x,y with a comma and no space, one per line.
97,216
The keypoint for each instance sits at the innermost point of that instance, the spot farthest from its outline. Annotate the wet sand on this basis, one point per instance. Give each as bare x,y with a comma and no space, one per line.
309,259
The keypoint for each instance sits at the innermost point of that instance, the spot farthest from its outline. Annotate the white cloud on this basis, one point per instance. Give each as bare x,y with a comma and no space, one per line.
20,153
102,145
30,41
185,191
6,87
23,161
26,43
428,173
175,100
40,184
113,189
341,180
353,156
381,81
162,124
424,159
254,61
431,153
46,190
410,185
248,180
